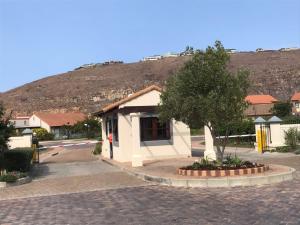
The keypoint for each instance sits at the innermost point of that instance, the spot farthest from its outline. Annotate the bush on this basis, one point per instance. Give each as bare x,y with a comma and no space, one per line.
283,149
297,152
12,176
8,178
43,135
18,159
98,149
291,137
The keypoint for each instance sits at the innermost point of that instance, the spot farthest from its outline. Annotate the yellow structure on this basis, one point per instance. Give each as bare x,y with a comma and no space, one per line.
261,140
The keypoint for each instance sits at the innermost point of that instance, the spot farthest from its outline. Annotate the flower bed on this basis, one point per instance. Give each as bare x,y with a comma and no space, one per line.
13,178
232,166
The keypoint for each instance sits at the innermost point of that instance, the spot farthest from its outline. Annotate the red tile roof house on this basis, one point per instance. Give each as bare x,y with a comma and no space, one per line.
259,105
296,103
54,122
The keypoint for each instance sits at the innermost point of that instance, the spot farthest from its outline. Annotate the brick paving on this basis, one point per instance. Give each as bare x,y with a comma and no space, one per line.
276,204
122,199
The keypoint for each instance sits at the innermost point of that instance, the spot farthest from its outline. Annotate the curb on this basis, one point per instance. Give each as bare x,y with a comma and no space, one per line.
214,182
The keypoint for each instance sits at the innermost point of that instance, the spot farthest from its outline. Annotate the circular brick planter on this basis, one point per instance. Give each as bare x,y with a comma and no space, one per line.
20,181
222,173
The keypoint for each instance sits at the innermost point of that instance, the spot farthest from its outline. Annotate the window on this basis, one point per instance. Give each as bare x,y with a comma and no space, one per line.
25,122
152,129
115,129
297,105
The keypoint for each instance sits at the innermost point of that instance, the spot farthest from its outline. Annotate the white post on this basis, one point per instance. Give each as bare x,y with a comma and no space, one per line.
209,152
137,159
277,136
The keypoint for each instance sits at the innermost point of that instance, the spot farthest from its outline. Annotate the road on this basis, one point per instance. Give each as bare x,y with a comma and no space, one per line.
83,190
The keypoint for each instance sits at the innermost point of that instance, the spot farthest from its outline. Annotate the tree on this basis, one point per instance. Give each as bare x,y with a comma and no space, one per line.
90,126
6,130
282,109
205,93
42,134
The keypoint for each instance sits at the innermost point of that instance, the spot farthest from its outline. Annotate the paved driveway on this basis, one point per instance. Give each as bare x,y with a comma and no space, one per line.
71,171
108,196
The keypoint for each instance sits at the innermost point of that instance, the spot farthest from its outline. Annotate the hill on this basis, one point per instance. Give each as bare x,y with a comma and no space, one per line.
87,89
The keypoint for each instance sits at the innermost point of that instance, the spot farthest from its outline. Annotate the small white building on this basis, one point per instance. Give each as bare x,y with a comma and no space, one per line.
137,134
152,58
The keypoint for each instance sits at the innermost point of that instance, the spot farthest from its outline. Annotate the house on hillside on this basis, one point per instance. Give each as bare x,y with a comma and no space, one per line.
259,105
55,122
136,132
296,103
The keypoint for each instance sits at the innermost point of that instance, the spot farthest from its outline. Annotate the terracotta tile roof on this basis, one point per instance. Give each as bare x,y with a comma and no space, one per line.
296,97
129,98
60,119
260,99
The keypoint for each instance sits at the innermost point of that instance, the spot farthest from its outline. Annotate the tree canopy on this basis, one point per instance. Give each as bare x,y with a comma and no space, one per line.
282,109
205,93
6,129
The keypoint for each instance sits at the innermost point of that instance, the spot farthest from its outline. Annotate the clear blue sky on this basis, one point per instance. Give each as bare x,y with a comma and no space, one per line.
39,38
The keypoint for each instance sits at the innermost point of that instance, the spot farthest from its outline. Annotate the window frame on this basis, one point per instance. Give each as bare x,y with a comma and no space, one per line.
168,130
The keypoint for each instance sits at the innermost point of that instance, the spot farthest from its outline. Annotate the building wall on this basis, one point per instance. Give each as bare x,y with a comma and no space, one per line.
296,107
20,142
149,99
277,133
20,123
178,146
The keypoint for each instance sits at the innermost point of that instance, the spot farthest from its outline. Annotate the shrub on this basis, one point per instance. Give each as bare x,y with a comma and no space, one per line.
291,137
12,176
18,159
43,135
297,152
283,149
8,178
98,149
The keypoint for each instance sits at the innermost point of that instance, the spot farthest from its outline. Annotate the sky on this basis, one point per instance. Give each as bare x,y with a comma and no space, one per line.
39,38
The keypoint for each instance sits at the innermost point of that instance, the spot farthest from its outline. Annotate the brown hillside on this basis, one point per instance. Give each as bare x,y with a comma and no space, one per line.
276,73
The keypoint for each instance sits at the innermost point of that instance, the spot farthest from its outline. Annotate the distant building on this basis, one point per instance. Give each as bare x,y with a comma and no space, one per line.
231,50
152,58
296,103
259,105
170,54
55,122
288,49
21,123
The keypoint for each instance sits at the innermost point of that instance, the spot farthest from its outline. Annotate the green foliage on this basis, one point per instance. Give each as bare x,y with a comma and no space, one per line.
18,159
8,178
282,149
6,129
291,120
197,131
229,163
12,176
292,136
91,127
98,149
297,152
282,109
233,161
43,135
204,92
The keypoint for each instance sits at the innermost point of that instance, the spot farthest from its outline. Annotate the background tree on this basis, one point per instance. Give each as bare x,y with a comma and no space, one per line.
205,93
282,109
90,126
6,130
